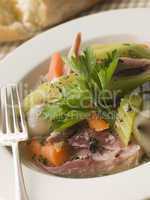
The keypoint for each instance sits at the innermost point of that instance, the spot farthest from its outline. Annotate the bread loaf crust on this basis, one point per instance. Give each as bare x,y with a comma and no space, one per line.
64,9
14,32
31,16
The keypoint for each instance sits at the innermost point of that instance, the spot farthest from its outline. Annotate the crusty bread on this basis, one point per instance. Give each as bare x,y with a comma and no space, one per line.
13,32
20,19
11,26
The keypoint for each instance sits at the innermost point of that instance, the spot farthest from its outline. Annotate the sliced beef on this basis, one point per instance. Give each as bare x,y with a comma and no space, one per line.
58,137
105,139
90,167
110,156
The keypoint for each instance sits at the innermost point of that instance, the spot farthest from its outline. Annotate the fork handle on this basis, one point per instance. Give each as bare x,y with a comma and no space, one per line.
21,193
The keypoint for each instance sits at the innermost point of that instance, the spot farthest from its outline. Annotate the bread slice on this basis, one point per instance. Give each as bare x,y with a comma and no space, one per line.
20,19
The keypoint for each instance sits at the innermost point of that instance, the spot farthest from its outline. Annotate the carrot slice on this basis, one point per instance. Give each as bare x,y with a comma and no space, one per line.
56,67
97,124
56,154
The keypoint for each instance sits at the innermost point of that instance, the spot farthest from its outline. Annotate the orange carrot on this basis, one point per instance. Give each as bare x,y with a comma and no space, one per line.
56,154
97,124
56,67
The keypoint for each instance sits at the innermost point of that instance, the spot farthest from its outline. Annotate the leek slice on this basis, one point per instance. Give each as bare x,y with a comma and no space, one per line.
127,111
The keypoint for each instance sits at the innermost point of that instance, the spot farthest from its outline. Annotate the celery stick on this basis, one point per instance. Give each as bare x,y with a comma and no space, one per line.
127,111
127,50
127,84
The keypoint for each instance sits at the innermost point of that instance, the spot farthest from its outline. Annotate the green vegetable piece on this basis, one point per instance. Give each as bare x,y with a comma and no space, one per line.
107,69
127,50
49,92
127,111
127,84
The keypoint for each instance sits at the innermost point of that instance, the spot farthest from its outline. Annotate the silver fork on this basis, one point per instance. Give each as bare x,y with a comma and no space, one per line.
13,130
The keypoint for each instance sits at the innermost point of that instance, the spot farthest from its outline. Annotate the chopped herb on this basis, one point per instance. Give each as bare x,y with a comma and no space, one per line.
43,160
93,144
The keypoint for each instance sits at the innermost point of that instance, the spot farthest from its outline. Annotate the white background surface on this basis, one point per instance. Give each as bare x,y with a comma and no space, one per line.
129,185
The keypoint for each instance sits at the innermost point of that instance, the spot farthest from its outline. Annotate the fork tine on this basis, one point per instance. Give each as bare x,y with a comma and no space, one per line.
6,111
12,130
14,115
22,117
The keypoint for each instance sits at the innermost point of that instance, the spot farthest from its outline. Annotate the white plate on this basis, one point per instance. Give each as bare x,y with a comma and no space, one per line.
121,25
